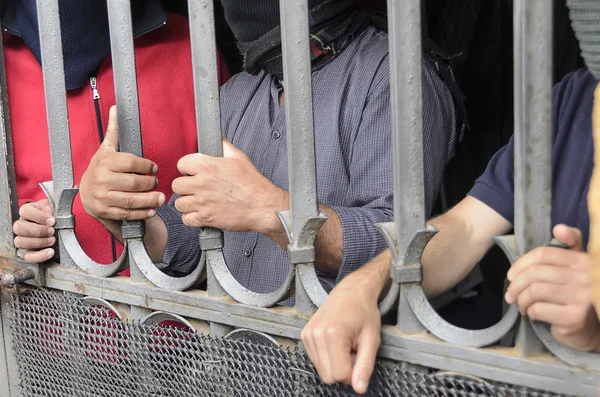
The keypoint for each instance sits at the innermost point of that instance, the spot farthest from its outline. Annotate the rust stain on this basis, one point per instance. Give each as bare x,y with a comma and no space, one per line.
81,289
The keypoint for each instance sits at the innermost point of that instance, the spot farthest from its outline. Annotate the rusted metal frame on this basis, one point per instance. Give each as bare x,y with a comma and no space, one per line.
60,190
495,363
408,237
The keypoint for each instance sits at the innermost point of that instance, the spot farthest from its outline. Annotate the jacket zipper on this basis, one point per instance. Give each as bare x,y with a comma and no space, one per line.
96,96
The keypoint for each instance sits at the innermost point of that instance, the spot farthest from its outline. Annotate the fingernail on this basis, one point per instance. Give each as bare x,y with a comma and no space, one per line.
50,221
50,253
362,384
151,213
509,275
508,298
154,169
51,240
161,199
50,231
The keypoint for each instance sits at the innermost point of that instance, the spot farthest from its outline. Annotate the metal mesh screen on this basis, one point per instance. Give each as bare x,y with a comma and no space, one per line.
67,348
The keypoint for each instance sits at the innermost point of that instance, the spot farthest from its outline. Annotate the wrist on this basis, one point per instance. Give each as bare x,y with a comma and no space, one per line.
268,222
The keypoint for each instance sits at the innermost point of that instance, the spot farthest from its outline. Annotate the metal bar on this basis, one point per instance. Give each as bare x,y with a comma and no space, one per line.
56,96
8,191
495,363
128,108
404,18
9,371
299,113
533,22
208,114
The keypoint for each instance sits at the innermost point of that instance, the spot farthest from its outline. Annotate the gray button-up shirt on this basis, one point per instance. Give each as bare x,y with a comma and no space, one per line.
353,154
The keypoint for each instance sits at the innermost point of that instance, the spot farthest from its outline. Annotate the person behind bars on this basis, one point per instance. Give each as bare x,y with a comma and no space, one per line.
163,57
243,191
548,284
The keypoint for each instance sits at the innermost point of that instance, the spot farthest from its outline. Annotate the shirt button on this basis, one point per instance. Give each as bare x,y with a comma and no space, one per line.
276,134
247,252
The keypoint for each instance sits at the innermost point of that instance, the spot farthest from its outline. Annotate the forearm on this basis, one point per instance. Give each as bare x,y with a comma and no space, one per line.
463,240
373,279
155,238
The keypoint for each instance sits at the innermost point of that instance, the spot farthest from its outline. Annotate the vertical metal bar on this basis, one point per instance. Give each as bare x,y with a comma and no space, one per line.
8,191
299,112
404,18
295,41
56,108
56,95
128,109
208,110
533,24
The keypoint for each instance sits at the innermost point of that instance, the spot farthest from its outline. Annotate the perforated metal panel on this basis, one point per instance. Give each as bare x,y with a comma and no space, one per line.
68,348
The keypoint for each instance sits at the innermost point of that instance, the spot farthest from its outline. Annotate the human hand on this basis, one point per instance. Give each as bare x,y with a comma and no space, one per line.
35,232
343,336
118,186
227,193
554,285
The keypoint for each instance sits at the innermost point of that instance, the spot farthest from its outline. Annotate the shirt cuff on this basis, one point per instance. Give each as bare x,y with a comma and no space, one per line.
362,241
494,199
182,253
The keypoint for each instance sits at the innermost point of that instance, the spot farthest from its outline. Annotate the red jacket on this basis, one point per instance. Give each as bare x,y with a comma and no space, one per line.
166,96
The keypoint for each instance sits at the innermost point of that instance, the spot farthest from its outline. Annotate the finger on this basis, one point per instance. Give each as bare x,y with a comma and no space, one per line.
129,163
191,164
309,346
536,273
231,151
186,185
111,137
125,182
186,204
323,356
33,214
29,243
570,236
549,293
28,229
134,201
547,256
368,344
339,348
121,214
554,314
38,256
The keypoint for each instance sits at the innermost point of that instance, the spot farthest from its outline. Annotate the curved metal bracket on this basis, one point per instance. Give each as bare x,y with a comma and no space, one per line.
251,335
237,291
92,301
301,252
409,270
156,318
409,273
576,358
65,225
140,256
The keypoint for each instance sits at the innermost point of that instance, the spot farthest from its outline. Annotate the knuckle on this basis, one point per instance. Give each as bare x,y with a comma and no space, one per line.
332,331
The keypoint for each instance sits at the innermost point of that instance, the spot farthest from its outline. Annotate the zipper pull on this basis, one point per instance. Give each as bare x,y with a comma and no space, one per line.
94,88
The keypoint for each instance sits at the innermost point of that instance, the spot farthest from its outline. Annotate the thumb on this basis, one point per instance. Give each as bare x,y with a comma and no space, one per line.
366,352
231,151
111,138
570,236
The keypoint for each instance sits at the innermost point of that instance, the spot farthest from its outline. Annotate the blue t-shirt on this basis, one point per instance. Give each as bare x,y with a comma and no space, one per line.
572,158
